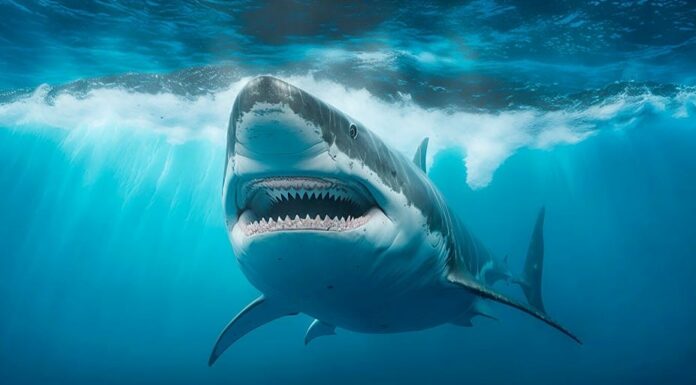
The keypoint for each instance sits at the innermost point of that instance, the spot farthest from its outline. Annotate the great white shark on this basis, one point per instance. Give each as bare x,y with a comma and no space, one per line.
327,220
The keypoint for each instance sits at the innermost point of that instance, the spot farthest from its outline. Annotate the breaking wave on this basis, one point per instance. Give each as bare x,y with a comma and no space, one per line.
182,112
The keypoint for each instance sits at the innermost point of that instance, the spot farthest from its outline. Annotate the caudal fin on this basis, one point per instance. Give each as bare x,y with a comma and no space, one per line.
530,280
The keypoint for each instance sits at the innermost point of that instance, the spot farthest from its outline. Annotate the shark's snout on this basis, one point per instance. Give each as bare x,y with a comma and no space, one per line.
271,118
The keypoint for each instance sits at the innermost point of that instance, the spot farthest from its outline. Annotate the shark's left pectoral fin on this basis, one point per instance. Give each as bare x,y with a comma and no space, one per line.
257,313
317,329
484,292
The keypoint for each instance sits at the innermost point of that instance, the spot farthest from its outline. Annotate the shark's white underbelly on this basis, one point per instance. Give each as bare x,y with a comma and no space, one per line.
389,312
354,285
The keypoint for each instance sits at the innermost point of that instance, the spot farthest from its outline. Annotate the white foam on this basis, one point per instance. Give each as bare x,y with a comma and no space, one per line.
487,138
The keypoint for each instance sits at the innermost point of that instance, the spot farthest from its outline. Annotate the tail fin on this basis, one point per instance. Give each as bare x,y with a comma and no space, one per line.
530,280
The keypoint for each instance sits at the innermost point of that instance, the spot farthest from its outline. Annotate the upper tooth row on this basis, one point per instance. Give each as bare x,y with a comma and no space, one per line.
294,183
333,194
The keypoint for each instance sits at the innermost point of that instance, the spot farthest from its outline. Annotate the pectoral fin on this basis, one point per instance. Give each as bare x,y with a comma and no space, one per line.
484,292
318,329
257,313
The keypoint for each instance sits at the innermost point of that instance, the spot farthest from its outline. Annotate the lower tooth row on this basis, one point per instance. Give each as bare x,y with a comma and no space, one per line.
307,218
304,223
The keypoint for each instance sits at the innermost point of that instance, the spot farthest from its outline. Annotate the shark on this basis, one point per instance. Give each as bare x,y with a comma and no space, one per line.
325,219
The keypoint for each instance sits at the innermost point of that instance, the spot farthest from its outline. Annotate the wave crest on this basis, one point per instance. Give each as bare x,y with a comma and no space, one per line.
487,138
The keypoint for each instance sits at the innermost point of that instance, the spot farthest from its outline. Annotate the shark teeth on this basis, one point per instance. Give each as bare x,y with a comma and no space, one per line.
280,189
294,183
279,194
306,223
303,203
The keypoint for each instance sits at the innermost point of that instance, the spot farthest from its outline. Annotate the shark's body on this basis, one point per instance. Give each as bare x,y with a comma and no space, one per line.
326,220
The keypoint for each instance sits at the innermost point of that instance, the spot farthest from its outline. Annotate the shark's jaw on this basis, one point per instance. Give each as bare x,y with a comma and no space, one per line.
276,204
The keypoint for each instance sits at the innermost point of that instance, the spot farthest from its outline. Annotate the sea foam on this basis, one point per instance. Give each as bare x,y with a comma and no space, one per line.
487,139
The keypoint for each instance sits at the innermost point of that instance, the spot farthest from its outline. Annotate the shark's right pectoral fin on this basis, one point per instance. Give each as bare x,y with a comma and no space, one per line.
476,288
257,313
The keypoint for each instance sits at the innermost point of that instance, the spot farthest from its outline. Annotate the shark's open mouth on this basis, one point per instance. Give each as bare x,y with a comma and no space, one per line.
303,203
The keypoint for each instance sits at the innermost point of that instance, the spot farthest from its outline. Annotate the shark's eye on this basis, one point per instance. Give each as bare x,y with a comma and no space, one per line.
353,131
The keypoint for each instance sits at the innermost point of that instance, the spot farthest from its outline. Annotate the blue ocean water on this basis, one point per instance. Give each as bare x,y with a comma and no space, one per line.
115,265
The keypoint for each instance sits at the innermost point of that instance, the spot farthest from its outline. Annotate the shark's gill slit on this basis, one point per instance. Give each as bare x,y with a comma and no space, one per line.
303,203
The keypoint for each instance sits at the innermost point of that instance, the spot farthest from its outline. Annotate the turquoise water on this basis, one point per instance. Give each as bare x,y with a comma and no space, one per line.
114,261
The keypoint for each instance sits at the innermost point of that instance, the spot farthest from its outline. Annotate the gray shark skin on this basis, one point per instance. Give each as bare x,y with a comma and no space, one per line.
327,220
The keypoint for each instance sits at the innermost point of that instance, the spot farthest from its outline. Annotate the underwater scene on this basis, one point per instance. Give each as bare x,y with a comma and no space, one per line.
212,192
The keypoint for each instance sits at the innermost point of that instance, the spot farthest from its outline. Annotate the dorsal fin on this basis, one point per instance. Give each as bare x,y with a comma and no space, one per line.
419,157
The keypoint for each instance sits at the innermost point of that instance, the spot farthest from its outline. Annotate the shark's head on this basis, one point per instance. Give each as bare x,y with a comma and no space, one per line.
312,197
